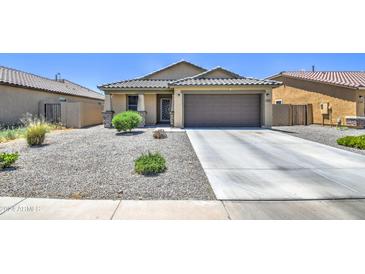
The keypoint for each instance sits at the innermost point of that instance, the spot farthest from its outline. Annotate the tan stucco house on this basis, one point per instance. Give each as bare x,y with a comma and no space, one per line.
334,95
187,95
57,100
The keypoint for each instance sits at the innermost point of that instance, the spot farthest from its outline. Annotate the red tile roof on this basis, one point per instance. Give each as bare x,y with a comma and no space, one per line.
352,79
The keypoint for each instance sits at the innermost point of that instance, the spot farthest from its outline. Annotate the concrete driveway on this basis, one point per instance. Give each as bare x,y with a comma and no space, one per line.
259,164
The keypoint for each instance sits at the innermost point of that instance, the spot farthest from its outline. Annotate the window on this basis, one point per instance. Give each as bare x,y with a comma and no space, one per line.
279,101
132,102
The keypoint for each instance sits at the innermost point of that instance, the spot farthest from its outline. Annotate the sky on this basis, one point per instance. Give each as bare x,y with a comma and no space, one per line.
91,70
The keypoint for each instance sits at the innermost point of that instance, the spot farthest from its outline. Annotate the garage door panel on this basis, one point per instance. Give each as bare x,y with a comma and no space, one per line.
221,110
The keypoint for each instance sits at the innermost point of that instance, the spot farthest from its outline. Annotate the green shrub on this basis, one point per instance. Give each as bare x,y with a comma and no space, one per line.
126,121
151,163
36,133
352,141
7,159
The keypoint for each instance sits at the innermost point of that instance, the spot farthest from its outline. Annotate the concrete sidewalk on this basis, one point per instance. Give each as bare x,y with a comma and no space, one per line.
12,208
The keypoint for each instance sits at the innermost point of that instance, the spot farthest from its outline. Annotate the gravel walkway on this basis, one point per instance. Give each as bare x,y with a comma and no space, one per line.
324,135
97,163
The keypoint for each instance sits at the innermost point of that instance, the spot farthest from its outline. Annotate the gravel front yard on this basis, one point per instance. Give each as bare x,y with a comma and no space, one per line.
97,163
325,135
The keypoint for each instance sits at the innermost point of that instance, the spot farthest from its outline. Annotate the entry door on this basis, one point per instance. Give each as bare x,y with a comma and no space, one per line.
165,107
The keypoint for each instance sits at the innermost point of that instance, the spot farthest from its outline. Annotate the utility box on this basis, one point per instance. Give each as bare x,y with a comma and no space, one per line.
324,108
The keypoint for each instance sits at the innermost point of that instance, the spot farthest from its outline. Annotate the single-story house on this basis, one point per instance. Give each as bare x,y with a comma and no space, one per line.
57,100
334,95
187,95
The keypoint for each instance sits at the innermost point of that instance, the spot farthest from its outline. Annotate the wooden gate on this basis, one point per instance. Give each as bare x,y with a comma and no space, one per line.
52,113
291,115
299,114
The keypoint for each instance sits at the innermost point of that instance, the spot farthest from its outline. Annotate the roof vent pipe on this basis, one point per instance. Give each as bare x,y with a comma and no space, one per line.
58,76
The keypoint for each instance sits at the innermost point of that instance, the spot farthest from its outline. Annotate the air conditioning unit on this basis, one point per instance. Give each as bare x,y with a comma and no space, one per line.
324,108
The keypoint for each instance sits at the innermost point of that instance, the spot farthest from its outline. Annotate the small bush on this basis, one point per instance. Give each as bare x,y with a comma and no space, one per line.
352,141
126,121
7,159
151,163
36,133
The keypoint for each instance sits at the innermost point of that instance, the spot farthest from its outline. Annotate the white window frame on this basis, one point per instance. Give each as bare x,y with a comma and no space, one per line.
278,101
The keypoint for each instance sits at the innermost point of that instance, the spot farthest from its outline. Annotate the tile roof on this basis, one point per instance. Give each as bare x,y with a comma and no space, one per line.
200,79
352,79
224,82
139,83
165,84
19,78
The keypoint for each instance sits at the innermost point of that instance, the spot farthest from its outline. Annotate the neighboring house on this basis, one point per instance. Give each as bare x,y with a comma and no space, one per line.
58,101
334,95
187,95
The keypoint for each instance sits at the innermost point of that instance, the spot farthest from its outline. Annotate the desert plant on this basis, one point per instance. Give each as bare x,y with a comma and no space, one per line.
352,141
150,163
159,134
28,119
7,159
11,133
36,133
126,121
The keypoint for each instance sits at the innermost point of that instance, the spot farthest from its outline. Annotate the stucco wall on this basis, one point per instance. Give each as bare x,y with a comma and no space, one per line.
217,74
90,114
296,92
151,108
15,102
177,72
119,104
360,110
72,117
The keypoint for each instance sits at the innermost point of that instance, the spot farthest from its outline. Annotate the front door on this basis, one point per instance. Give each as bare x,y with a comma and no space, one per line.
165,107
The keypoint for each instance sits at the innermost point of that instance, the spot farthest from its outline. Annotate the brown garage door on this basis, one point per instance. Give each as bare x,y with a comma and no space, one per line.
233,110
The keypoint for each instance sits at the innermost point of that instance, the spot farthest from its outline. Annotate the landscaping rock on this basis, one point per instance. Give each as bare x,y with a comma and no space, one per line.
323,134
159,134
99,164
